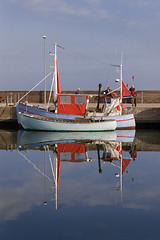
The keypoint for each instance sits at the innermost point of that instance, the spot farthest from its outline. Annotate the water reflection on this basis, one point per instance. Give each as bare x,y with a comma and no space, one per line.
78,148
85,171
144,140
72,148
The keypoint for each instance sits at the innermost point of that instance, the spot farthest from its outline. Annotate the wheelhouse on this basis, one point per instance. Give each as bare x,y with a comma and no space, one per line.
74,104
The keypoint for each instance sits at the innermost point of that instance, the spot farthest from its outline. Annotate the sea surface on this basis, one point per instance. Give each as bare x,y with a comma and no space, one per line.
80,186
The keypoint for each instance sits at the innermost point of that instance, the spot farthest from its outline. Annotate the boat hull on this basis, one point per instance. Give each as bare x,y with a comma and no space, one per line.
32,122
124,122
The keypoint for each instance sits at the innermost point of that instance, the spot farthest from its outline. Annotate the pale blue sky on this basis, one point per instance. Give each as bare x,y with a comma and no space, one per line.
93,33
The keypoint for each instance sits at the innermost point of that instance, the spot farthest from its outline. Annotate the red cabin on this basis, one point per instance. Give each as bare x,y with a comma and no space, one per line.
74,104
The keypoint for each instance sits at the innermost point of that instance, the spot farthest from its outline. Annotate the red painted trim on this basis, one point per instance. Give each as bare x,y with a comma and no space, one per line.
126,128
124,120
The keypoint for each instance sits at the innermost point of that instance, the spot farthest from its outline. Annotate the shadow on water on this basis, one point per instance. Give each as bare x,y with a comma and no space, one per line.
149,136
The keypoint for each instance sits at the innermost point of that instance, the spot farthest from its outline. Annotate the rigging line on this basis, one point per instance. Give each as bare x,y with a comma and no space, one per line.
34,87
36,167
60,46
115,165
51,90
89,57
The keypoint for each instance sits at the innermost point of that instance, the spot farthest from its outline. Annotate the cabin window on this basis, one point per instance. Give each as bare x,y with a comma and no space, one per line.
66,156
80,157
65,99
80,100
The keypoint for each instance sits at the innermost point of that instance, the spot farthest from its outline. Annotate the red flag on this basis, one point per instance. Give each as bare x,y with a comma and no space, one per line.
118,148
125,164
125,92
121,152
133,78
121,104
58,80
118,108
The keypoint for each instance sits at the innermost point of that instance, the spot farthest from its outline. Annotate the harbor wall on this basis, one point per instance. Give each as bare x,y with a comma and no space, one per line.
11,97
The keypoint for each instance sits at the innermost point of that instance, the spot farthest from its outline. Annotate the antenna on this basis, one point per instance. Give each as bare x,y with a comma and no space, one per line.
119,66
121,57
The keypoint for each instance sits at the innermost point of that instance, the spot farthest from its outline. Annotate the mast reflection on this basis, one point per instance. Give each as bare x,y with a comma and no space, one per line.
75,148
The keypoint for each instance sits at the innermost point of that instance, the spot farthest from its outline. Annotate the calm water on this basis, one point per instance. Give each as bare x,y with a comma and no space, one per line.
79,186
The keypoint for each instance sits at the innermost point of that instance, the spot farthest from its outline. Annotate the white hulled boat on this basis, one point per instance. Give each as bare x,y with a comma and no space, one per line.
34,122
70,107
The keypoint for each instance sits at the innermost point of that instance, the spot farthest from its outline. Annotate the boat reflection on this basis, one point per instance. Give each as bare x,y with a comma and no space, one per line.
29,139
76,148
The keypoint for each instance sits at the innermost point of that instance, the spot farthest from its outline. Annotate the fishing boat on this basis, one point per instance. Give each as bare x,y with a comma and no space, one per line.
73,106
34,122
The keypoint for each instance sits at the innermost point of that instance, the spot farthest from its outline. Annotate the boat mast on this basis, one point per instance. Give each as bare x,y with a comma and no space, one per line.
55,77
56,176
121,83
121,173
121,87
44,37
